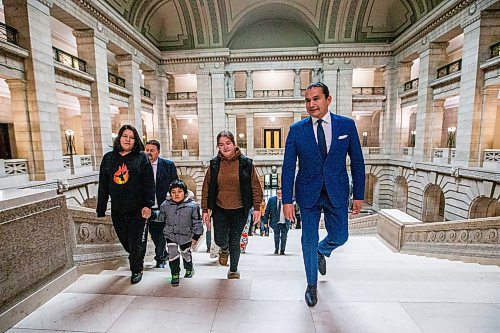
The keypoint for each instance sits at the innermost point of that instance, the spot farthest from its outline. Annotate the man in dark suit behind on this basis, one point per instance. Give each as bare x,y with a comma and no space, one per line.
276,220
321,143
164,173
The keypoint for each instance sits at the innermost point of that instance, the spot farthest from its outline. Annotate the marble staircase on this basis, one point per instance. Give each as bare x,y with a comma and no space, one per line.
368,288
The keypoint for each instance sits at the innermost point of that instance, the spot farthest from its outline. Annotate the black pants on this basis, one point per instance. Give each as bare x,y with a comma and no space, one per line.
132,233
280,234
156,232
228,225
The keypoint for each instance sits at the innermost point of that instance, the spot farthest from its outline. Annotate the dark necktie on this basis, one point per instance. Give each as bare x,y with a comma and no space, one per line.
321,139
279,206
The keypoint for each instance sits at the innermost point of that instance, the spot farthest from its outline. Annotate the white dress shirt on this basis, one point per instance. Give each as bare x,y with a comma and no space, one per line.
327,128
155,167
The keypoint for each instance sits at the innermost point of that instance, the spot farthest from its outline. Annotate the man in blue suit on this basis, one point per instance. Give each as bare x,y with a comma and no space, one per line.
274,216
164,173
321,143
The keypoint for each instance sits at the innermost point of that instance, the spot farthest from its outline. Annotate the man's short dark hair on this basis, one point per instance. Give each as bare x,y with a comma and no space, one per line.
154,142
178,184
321,85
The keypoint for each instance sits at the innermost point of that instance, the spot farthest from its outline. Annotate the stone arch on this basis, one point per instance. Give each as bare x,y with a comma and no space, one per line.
401,193
484,207
193,176
433,204
191,185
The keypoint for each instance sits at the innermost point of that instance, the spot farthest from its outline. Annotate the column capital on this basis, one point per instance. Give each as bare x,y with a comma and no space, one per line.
127,57
16,83
90,33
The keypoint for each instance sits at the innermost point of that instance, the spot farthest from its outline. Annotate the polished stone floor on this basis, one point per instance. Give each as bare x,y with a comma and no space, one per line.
367,288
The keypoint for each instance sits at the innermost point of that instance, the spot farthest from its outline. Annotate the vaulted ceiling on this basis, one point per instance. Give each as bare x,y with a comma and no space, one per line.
242,24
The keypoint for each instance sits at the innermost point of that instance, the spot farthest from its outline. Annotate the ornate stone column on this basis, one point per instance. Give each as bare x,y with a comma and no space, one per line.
249,84
391,133
432,56
37,96
128,68
479,34
250,138
95,112
157,83
296,83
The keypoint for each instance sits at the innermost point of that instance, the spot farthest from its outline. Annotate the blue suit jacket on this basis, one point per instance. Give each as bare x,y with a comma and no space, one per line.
272,215
165,174
313,172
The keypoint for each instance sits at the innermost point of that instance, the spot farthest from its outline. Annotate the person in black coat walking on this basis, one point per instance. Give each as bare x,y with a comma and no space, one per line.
164,174
126,176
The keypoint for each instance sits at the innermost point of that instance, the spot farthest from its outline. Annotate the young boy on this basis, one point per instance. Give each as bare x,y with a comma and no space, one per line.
182,230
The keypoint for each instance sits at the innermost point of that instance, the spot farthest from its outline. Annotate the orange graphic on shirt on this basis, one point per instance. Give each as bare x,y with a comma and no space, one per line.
121,176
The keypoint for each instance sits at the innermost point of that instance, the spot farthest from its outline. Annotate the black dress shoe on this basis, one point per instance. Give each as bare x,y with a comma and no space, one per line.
136,278
160,264
282,252
275,251
321,264
311,295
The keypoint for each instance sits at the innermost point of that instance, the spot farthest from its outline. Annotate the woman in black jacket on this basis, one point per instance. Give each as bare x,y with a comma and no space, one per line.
127,177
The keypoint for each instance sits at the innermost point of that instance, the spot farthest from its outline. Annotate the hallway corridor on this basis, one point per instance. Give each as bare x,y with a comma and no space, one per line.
367,288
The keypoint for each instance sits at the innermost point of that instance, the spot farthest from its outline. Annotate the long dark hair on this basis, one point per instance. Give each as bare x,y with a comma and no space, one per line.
226,134
138,145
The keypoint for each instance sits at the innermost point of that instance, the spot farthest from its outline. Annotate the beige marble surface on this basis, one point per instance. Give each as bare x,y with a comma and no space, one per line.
367,288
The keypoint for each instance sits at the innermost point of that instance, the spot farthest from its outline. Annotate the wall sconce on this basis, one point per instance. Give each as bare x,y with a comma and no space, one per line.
412,138
184,142
70,142
365,139
114,136
241,140
451,136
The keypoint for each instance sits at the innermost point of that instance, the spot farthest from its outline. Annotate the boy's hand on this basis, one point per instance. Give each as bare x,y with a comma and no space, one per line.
193,242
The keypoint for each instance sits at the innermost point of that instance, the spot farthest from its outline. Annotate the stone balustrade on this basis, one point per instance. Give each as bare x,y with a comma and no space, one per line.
455,239
491,159
443,155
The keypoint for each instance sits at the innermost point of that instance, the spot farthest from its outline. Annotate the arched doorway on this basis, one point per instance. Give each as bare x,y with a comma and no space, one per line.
401,194
484,207
434,202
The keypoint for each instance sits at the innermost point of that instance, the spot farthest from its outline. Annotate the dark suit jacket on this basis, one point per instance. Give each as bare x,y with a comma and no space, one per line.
272,215
165,174
313,172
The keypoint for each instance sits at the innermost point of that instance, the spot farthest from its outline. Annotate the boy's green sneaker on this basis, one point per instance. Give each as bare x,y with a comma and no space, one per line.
175,280
189,273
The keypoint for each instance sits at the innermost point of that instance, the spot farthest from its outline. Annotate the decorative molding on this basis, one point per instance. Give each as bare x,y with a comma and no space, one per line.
48,3
89,8
433,25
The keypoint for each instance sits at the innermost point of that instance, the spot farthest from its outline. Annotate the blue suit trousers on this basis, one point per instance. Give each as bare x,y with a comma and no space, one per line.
336,225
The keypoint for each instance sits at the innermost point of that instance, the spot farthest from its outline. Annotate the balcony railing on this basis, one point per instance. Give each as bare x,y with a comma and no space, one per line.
68,60
8,34
413,84
451,68
145,92
368,90
180,96
495,50
115,79
273,93
240,94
